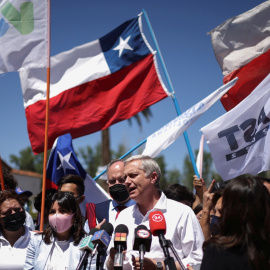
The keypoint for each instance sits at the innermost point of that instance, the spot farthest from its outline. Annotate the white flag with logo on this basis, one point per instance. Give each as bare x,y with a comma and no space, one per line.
23,34
239,140
165,136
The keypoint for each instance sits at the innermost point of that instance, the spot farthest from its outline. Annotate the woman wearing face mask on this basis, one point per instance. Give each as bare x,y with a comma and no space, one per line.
14,236
58,246
244,230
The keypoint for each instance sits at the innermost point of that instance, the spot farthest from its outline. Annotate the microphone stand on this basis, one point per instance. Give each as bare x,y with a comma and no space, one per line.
170,245
169,261
100,258
142,251
83,260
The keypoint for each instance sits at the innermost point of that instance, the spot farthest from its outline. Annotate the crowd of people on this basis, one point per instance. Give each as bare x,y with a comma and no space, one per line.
224,226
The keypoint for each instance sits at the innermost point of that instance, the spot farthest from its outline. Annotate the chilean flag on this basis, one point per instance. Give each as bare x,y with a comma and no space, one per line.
93,86
63,161
242,48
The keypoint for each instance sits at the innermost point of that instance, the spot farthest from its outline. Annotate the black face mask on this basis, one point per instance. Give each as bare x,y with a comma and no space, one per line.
214,225
14,222
119,192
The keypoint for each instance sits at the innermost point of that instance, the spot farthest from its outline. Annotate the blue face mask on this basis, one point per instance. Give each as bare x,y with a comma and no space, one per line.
214,225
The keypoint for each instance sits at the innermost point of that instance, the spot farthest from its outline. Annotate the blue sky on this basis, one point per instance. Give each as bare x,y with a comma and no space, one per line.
181,29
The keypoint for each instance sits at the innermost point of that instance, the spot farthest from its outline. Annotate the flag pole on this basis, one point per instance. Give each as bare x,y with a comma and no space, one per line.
47,115
1,176
126,154
172,91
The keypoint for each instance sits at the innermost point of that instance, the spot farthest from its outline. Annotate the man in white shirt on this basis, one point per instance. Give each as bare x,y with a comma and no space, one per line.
142,175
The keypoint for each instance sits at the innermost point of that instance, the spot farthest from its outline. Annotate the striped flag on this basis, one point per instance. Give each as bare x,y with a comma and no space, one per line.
93,86
242,48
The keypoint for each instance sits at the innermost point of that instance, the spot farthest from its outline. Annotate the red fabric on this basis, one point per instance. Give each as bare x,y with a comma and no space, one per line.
249,77
96,105
119,209
50,184
91,215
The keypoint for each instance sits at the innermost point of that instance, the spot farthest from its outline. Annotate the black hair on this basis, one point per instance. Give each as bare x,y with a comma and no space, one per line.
73,179
198,208
48,199
179,193
9,180
68,202
245,220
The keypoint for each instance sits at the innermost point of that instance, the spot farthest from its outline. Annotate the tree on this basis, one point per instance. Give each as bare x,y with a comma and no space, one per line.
92,159
167,176
208,174
106,150
28,161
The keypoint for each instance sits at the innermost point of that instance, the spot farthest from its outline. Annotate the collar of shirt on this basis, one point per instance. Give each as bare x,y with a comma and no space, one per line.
20,242
127,204
161,205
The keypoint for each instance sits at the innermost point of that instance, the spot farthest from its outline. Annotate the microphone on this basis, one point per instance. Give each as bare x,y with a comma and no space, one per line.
158,228
142,241
102,238
87,246
120,243
157,223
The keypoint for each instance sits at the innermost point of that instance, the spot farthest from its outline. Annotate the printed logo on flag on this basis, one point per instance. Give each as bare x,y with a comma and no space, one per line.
22,21
253,131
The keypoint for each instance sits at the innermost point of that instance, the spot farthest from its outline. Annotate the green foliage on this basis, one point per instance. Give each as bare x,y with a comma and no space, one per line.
27,161
137,117
167,176
208,174
92,157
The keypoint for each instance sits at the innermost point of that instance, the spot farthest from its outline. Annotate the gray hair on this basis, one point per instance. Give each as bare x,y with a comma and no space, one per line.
149,165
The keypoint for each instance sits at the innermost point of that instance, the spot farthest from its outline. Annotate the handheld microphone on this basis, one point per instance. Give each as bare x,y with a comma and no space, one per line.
102,238
142,241
158,228
120,243
87,246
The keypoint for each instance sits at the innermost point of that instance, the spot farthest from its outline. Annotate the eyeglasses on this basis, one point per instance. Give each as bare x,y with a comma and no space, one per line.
119,180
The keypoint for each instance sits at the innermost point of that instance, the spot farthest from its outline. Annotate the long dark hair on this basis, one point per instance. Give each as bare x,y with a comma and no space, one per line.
68,202
245,220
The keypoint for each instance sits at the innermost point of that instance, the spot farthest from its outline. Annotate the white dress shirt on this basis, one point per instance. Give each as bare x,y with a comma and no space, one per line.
13,258
183,229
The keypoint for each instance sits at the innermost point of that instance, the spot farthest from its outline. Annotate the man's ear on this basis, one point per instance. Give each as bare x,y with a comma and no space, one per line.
107,182
154,177
81,199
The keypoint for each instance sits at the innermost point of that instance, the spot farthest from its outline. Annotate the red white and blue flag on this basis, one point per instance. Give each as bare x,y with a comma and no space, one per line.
242,48
93,86
63,161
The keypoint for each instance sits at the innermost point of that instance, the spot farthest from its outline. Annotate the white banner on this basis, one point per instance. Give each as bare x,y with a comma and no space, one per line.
239,140
164,137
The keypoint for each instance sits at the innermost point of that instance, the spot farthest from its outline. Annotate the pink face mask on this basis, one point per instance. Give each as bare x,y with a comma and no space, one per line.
60,223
